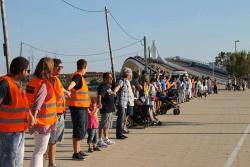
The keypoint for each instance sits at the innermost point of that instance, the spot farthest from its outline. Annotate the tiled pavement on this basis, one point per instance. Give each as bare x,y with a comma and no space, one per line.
204,135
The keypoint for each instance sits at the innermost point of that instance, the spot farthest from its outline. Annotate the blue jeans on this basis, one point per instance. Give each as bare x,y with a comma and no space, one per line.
11,149
92,136
121,114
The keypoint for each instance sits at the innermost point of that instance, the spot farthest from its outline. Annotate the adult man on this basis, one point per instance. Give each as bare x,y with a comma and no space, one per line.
57,135
14,111
106,104
79,102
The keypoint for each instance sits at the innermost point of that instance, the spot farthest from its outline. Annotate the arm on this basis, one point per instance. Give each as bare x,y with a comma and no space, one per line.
4,88
99,101
119,86
76,81
71,85
40,97
32,120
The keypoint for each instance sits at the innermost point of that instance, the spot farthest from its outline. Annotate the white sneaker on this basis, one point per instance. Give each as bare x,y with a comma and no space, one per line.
108,141
101,144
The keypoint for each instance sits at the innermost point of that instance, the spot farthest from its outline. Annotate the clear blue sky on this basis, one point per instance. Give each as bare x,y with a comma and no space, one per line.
195,29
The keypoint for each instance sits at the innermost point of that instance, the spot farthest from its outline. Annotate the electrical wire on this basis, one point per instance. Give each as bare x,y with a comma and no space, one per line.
78,55
105,59
81,9
123,29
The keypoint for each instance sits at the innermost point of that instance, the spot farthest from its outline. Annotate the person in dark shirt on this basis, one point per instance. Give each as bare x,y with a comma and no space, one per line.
106,104
5,96
79,111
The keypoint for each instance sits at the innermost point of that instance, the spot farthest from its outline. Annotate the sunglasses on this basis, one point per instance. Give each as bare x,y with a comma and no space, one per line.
60,67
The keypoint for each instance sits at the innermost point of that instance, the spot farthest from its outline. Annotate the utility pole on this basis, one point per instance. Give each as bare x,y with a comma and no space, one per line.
5,35
235,45
30,63
145,53
109,43
149,61
21,49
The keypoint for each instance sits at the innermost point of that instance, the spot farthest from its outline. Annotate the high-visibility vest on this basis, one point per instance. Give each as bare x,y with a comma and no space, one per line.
80,97
47,114
60,100
14,117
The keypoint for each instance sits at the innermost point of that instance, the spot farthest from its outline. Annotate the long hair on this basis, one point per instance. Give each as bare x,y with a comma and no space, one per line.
44,69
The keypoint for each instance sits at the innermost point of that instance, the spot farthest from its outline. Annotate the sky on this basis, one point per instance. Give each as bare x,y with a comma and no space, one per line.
194,29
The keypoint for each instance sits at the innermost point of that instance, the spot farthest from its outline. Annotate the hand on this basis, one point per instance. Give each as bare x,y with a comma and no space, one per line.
32,121
67,93
113,93
99,105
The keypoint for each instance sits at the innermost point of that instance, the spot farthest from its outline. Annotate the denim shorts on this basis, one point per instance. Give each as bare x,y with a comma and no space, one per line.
130,111
57,135
79,117
11,149
106,121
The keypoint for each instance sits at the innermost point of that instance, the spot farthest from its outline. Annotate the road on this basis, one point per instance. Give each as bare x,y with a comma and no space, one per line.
212,132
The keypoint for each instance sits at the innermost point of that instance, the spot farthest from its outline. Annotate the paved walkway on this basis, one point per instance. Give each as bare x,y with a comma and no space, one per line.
209,133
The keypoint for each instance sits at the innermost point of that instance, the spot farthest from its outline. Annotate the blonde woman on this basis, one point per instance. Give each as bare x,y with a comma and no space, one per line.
42,100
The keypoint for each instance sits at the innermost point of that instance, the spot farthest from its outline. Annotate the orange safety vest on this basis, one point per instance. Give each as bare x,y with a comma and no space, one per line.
80,97
47,114
168,84
14,117
60,100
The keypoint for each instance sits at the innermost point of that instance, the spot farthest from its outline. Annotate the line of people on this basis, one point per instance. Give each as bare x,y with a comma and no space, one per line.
41,107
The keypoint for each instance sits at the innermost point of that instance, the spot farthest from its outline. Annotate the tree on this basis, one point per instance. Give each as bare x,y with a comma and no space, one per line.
237,64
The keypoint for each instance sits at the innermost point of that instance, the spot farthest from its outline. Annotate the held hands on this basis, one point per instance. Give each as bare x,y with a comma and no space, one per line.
113,93
32,120
67,93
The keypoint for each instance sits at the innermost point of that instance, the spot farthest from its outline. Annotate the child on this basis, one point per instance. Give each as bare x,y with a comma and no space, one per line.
92,127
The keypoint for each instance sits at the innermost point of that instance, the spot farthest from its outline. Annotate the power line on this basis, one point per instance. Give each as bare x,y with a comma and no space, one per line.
101,11
79,55
115,57
81,9
123,29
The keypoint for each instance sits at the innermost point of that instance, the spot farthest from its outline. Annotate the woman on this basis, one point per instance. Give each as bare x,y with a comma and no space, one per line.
147,93
123,101
42,100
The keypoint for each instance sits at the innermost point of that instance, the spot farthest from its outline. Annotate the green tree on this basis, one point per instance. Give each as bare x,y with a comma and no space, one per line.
237,64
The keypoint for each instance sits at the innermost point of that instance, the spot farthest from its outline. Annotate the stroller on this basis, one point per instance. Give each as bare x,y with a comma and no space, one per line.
140,116
170,101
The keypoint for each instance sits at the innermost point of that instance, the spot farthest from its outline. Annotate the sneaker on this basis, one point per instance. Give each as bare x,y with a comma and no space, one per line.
124,136
126,131
97,149
102,144
90,150
108,141
120,137
83,154
78,156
